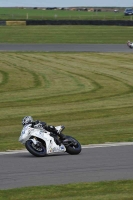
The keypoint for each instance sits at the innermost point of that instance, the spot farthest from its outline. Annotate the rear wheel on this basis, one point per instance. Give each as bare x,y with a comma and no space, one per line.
73,147
35,149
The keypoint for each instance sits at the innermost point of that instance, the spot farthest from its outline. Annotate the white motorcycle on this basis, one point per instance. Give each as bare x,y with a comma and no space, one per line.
40,142
130,44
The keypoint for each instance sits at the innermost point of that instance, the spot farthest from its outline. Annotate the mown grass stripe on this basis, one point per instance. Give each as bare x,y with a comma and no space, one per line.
5,77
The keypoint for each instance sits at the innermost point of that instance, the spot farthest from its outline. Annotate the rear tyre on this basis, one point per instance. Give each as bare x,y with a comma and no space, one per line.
37,150
73,146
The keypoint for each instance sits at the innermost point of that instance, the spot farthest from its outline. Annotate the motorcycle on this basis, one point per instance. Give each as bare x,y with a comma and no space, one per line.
40,142
130,44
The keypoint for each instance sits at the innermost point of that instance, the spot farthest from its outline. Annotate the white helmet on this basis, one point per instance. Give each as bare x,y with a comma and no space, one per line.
27,120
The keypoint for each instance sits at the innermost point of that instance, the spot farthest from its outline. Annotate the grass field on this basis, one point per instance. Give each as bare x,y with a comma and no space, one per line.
66,34
90,93
16,13
114,190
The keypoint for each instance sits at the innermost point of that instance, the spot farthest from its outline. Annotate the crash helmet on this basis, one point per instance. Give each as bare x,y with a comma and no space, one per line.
27,120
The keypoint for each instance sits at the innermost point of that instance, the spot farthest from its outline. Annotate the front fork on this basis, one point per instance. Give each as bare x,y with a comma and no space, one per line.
34,140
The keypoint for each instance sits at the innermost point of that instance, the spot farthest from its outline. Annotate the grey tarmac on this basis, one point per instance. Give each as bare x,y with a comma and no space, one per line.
95,163
66,47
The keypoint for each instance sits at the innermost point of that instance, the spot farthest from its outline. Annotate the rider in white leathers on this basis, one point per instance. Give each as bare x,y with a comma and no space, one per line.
130,44
39,124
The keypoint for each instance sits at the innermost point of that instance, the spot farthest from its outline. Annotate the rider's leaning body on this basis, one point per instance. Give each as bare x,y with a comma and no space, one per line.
39,124
130,44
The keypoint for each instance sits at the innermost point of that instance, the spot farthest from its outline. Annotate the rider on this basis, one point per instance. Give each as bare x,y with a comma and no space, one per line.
130,44
39,124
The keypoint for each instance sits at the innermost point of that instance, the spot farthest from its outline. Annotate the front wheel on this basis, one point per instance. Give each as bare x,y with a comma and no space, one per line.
73,147
37,150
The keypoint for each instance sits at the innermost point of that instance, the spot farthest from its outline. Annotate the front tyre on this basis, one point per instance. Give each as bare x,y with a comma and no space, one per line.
37,150
73,147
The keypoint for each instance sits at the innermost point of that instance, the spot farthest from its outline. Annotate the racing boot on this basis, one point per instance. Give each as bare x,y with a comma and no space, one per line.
61,136
63,139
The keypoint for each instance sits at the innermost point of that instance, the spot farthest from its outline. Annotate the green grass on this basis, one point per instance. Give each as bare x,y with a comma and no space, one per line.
23,14
90,93
66,34
113,190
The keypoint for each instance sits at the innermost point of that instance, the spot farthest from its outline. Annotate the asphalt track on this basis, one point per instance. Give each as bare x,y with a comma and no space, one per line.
96,163
67,47
91,165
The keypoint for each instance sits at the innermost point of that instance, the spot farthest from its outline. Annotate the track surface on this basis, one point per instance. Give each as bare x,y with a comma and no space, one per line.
66,47
93,164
